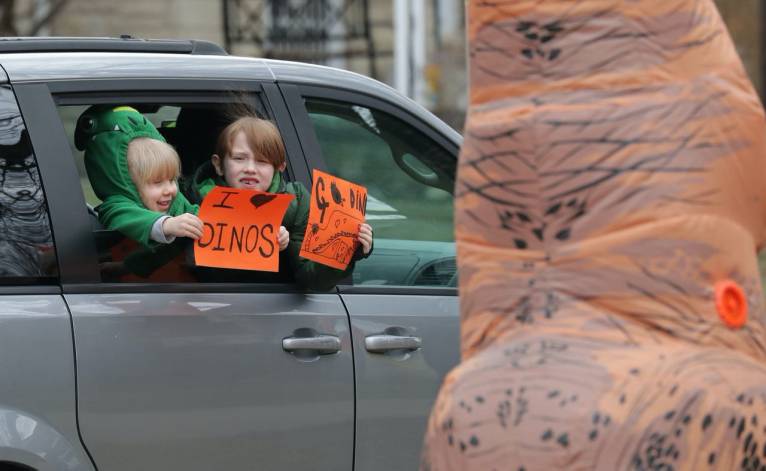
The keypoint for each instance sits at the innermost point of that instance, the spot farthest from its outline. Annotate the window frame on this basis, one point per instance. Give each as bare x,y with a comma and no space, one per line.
79,270
294,95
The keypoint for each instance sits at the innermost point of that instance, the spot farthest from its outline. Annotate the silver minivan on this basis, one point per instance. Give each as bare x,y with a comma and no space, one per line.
180,373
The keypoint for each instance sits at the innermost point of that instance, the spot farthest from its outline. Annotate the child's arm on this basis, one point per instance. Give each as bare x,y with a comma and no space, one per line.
124,215
140,224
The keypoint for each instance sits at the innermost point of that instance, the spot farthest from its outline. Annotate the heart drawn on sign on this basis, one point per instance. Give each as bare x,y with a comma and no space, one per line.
261,199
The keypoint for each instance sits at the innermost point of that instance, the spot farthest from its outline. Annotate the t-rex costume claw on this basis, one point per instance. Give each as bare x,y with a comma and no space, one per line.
611,197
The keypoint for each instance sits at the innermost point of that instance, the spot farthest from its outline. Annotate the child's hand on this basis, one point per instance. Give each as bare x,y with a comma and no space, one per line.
185,225
365,237
283,238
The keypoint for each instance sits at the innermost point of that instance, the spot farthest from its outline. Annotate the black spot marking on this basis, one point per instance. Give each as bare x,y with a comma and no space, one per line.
563,234
554,54
596,417
686,419
524,26
741,398
554,27
520,243
462,447
670,415
707,421
474,441
748,438
593,434
563,440
553,209
711,458
480,399
547,435
622,399
754,420
553,394
740,427
634,371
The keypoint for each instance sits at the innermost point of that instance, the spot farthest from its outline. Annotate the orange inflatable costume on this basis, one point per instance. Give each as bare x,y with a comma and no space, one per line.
610,202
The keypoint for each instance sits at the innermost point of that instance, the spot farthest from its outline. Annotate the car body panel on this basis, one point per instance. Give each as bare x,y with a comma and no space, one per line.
52,67
395,389
37,394
305,74
200,382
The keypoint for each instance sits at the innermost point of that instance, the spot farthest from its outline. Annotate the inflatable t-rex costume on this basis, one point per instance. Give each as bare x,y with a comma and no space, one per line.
610,202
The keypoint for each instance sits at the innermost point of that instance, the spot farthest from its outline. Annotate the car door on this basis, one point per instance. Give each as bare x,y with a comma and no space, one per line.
38,423
182,373
402,300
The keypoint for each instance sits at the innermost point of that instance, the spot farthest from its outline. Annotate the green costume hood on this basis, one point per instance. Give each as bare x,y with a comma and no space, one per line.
104,133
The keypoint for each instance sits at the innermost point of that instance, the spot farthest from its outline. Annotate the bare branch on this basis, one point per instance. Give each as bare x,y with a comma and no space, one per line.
54,10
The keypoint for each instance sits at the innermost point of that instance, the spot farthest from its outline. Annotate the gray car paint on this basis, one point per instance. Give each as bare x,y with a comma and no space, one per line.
89,65
37,392
201,382
395,390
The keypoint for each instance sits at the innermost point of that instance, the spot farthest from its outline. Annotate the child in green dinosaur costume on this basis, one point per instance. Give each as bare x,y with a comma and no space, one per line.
134,172
250,154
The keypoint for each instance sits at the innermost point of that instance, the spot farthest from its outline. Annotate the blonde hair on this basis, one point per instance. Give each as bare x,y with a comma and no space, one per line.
262,136
150,159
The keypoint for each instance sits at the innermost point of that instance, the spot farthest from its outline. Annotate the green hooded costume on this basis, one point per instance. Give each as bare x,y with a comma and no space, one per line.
104,132
306,273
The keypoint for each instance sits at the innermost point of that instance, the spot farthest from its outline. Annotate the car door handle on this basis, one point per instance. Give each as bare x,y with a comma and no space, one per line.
385,343
323,344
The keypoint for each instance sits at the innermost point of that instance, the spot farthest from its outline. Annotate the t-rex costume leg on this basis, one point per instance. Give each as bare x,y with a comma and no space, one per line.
611,197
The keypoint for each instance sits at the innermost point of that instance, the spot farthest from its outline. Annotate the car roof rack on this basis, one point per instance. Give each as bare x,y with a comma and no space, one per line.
124,43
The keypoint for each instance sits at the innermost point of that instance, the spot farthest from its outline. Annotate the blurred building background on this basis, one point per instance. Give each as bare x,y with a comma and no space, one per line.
417,46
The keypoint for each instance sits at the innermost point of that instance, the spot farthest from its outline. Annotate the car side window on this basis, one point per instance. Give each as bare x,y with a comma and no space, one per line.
26,243
192,128
409,179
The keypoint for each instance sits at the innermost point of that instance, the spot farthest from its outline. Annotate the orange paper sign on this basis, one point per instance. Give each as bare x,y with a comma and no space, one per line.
337,210
240,229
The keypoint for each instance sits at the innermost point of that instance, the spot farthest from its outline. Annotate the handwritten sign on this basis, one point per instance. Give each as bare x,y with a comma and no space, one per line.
337,209
240,229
